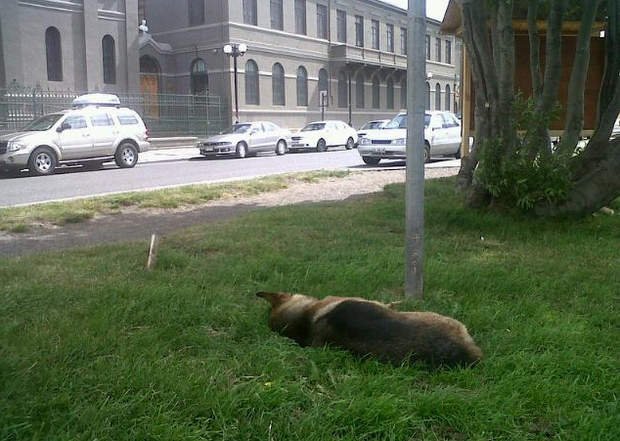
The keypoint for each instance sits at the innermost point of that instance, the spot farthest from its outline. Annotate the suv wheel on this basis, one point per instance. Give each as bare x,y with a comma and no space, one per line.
427,152
126,155
42,161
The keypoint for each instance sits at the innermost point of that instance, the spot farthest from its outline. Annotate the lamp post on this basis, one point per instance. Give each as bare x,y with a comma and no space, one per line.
235,50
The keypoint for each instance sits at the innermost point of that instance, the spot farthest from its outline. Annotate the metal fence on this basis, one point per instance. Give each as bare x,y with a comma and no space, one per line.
164,114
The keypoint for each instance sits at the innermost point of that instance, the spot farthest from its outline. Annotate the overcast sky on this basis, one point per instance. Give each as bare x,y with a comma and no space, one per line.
434,8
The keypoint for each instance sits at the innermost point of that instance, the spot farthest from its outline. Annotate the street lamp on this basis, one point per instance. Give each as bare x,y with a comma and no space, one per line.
235,50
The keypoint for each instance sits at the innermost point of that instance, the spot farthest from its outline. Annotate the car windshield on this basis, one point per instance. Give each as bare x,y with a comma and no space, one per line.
313,126
237,128
43,123
400,122
372,125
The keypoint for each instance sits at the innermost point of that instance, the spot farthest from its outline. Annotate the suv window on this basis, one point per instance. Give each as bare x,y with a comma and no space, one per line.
127,120
448,120
101,120
75,122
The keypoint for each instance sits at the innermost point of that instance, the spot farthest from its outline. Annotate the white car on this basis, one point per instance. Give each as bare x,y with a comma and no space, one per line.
320,135
247,138
442,137
374,124
96,130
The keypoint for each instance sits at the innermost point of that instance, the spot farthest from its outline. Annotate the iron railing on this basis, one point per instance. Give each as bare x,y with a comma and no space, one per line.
164,114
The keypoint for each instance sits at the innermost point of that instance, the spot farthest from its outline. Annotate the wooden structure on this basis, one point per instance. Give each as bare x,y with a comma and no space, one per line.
452,24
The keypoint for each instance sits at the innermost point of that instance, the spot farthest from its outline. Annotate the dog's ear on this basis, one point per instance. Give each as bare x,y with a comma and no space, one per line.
275,298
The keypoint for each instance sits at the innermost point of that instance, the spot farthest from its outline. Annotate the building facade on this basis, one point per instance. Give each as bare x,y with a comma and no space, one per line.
80,45
305,59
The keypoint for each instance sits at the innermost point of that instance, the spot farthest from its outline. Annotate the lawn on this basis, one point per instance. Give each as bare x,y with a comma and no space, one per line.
92,346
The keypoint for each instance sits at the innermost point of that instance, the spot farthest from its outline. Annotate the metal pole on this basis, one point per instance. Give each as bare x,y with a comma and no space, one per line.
414,186
234,55
350,100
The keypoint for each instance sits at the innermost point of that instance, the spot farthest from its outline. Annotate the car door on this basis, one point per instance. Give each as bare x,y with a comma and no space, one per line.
332,134
454,133
438,135
256,137
271,135
74,138
104,133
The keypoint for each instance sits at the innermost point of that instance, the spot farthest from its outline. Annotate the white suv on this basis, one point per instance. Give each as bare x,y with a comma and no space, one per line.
96,130
442,137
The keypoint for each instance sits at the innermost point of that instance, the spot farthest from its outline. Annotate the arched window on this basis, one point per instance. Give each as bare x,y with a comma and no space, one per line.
251,83
277,85
302,86
389,94
359,91
376,92
403,94
437,97
53,54
199,77
428,96
109,59
448,97
343,90
324,86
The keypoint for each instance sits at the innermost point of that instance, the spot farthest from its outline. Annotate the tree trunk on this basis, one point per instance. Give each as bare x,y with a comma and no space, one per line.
534,39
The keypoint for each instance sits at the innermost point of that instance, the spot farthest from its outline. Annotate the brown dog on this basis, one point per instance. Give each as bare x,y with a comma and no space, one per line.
368,328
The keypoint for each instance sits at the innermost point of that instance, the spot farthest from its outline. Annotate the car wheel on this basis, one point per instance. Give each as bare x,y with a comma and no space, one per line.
42,161
280,147
350,144
126,155
427,152
321,146
242,150
370,160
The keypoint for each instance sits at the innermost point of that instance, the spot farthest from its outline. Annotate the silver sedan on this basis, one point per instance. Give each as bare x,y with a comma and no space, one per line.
245,139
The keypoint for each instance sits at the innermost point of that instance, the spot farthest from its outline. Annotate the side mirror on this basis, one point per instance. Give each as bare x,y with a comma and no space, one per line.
253,132
63,126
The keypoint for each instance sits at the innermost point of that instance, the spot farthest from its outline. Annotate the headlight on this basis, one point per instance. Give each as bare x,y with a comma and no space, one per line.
14,146
399,141
364,141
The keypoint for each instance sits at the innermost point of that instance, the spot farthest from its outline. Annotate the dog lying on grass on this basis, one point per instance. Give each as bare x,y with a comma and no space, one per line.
369,328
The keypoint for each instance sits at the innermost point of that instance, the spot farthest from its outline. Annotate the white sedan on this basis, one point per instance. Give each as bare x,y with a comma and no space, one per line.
320,135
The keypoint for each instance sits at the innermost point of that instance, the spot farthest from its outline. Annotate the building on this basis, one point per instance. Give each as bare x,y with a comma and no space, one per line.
353,50
79,45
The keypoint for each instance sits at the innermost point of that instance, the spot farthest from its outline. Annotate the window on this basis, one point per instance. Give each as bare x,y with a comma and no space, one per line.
101,120
359,31
251,83
403,94
249,12
321,21
302,86
75,122
277,14
199,77
109,59
300,17
438,49
343,90
127,120
390,37
389,94
277,85
359,91
196,9
341,25
428,96
53,54
324,86
374,32
448,52
427,41
437,97
376,92
403,41
448,97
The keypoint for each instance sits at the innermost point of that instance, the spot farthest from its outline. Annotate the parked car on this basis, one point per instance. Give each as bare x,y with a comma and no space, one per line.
442,137
96,130
370,125
616,130
320,135
247,138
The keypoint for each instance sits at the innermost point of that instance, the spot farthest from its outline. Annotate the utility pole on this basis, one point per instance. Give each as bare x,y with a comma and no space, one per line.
414,184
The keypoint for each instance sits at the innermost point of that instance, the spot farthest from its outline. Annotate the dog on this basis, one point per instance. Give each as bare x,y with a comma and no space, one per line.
368,328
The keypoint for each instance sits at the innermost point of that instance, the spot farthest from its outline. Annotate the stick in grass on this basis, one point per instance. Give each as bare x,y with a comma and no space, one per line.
152,259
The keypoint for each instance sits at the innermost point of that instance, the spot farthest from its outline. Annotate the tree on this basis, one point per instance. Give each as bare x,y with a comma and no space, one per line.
513,160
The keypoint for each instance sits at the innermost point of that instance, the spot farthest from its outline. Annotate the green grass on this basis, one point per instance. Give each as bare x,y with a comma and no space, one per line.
23,219
92,346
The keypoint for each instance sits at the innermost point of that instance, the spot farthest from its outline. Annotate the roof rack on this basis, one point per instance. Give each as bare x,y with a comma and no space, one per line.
96,99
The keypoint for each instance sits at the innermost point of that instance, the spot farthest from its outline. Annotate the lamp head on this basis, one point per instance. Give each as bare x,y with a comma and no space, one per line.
228,49
243,48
